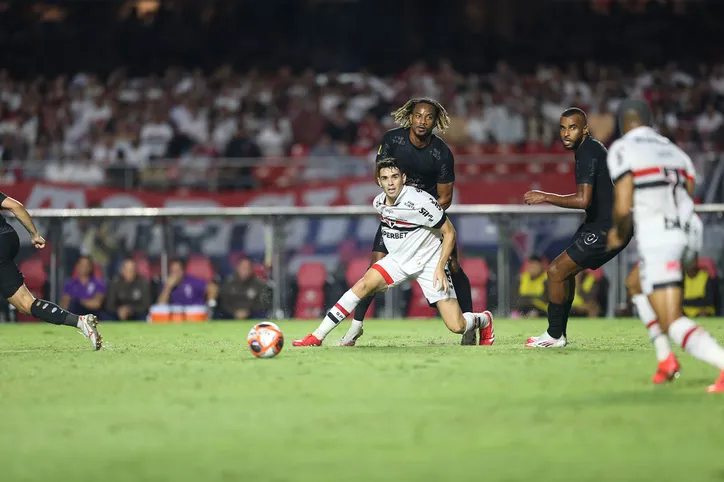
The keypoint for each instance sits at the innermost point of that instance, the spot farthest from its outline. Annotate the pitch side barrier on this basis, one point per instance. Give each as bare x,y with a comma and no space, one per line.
504,216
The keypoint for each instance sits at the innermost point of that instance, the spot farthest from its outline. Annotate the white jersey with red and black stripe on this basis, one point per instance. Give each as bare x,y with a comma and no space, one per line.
660,170
411,228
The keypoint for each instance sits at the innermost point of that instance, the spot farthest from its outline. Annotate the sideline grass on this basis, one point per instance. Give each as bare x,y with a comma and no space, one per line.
190,403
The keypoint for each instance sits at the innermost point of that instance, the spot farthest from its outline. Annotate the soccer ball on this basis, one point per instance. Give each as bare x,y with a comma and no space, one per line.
265,340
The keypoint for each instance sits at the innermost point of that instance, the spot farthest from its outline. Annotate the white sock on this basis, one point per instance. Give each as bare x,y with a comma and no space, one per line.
484,320
341,310
658,338
697,342
472,321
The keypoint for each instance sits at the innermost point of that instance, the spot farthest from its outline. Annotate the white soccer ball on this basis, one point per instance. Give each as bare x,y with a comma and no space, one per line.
265,340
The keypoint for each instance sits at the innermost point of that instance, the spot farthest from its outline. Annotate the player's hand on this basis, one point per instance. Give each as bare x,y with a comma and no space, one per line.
534,197
439,281
38,241
174,280
613,240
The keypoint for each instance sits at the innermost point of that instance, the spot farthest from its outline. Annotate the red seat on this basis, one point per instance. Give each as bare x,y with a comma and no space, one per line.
260,271
200,267
708,265
597,273
310,298
419,307
34,272
479,275
143,267
356,269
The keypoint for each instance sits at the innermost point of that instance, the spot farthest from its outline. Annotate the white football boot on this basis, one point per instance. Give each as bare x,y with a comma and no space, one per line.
88,325
353,334
546,341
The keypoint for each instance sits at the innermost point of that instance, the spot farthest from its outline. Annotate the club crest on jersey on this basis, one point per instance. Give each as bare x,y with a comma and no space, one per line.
590,239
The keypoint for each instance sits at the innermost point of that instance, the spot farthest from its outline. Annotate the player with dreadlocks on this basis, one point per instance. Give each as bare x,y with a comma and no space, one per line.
429,166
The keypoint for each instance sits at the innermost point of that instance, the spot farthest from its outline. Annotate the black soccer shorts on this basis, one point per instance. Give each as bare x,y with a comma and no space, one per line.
10,276
588,247
379,244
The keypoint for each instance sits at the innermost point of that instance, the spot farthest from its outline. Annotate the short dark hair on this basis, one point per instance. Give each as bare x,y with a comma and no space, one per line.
571,111
536,258
387,163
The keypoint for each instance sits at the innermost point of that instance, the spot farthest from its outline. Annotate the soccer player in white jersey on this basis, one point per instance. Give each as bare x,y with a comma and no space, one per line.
653,183
419,238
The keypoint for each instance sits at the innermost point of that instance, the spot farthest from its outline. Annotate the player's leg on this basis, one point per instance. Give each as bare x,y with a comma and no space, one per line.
12,288
378,278
661,278
570,291
49,312
560,271
379,251
668,365
450,310
464,292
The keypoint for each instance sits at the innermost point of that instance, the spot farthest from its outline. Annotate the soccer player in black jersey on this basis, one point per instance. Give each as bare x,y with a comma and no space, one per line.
594,193
430,166
12,281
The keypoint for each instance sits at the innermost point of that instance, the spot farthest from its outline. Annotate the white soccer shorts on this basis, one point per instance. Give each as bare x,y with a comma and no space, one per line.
393,274
695,234
661,263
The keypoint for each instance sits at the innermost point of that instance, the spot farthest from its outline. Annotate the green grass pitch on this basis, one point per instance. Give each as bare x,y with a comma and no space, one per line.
190,403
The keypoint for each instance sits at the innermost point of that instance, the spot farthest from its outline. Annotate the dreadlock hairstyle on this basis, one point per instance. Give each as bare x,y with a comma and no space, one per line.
402,115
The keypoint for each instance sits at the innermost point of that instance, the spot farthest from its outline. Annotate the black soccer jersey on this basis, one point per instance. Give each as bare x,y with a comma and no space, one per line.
4,226
425,167
592,168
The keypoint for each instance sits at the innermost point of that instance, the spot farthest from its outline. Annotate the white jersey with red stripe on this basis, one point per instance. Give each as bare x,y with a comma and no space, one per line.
411,228
660,170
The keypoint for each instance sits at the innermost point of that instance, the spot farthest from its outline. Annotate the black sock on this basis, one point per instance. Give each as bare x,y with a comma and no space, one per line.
569,302
565,317
462,289
52,313
556,314
361,311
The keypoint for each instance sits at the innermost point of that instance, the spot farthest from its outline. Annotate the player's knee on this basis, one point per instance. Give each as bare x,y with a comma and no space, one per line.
555,273
23,301
454,264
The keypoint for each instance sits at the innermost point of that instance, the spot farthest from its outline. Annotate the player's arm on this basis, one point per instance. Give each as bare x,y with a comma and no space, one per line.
586,169
446,179
445,194
21,214
620,170
448,242
581,199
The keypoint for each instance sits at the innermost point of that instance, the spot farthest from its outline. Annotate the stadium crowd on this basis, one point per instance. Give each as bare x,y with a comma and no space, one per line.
191,117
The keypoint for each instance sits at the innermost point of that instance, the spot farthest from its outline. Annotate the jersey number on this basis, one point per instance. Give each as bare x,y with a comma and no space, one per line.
675,180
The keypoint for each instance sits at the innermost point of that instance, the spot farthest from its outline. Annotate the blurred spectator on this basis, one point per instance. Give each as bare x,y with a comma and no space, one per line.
184,290
700,291
588,290
243,295
709,122
532,301
129,295
84,293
